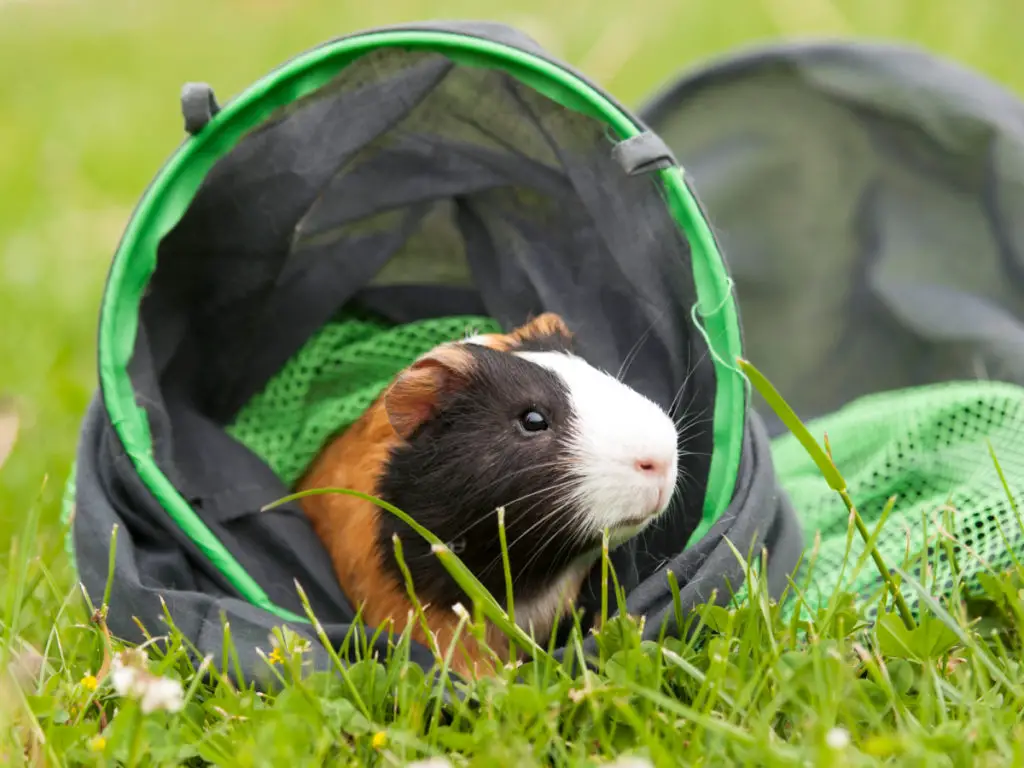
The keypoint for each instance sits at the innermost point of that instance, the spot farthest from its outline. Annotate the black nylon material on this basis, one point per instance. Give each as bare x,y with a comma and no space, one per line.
871,211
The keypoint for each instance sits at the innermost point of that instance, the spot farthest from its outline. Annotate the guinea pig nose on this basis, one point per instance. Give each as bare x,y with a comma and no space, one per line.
650,466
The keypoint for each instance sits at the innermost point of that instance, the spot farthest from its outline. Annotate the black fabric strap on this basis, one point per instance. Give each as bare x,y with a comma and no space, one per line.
643,153
198,106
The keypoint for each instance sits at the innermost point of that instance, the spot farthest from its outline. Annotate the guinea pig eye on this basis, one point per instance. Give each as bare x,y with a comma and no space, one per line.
533,421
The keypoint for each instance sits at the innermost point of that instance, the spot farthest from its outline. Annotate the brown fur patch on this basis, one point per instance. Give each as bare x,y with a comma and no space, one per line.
413,396
544,325
349,526
547,324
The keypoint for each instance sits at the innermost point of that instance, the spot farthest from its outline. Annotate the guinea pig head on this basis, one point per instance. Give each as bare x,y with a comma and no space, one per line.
519,422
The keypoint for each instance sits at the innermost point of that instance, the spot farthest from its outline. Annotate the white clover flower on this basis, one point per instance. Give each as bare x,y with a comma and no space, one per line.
430,762
627,761
838,739
131,679
126,676
162,693
123,680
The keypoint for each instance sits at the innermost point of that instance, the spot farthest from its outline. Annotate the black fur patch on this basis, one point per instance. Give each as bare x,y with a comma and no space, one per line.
472,458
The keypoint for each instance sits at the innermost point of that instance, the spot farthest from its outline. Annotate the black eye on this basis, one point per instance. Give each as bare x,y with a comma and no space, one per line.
533,421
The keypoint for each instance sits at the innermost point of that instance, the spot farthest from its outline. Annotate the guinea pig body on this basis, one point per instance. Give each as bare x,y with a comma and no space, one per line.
513,421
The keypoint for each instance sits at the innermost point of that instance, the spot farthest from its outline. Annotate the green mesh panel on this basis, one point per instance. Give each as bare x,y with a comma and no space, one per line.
331,381
929,447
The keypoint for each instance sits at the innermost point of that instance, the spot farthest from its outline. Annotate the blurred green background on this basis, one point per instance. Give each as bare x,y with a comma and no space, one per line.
89,111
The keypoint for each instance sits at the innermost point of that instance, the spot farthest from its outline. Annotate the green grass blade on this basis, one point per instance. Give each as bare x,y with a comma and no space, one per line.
793,424
451,562
979,651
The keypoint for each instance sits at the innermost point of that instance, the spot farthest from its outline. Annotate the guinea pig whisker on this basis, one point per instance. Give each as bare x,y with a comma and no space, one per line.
686,476
685,436
677,400
575,535
560,509
535,557
677,494
682,452
567,542
482,519
682,466
534,467
547,517
493,512
634,351
642,546
543,519
687,422
686,418
490,515
554,488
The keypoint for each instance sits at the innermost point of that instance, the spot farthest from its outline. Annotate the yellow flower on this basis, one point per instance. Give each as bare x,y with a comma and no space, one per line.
379,740
276,657
97,744
89,682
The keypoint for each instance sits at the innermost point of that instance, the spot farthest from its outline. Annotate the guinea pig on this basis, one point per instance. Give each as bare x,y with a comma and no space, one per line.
515,421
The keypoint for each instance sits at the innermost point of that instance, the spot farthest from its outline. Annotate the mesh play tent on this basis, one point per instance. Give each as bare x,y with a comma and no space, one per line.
371,198
870,200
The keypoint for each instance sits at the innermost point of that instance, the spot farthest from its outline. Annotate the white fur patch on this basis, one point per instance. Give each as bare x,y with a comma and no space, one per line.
613,427
537,616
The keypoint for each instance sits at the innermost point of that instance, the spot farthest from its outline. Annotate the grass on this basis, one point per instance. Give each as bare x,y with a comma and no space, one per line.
88,111
748,685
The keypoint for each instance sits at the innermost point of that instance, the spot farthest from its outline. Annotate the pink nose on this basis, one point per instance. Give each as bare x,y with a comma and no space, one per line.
649,466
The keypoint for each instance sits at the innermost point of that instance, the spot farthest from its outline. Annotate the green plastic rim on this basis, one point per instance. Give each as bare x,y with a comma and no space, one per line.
174,187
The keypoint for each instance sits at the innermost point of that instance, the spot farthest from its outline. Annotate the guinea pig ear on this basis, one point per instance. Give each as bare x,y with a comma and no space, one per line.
416,393
543,326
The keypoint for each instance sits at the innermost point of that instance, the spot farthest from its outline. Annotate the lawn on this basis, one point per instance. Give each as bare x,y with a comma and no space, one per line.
89,110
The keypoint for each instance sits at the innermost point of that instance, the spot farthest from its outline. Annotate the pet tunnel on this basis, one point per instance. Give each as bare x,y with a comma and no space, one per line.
369,199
